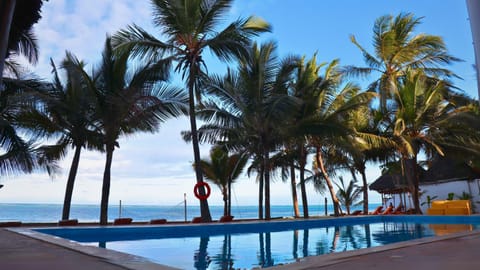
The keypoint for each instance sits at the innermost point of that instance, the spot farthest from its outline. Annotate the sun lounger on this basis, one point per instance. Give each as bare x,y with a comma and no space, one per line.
10,224
68,222
387,211
377,211
226,219
356,213
197,220
122,221
398,210
158,221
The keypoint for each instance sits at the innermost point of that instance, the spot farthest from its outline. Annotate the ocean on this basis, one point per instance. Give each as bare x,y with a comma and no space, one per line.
26,212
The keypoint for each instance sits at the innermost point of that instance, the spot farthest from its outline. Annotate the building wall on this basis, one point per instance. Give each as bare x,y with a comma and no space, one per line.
441,190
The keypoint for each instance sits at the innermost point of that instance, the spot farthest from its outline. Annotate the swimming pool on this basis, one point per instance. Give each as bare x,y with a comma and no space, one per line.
253,244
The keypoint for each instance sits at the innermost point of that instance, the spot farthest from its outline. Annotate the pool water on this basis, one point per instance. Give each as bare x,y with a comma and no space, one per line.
224,246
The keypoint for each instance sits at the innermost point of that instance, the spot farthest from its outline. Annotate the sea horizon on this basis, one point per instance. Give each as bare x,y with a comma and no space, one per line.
52,212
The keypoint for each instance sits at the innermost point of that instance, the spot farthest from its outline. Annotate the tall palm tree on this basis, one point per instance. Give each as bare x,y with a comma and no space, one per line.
422,109
396,49
190,29
68,111
326,121
305,85
223,169
249,108
129,100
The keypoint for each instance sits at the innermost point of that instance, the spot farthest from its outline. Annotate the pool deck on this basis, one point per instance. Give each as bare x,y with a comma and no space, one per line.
22,249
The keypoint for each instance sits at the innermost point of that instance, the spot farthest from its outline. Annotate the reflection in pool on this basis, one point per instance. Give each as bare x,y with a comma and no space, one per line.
213,247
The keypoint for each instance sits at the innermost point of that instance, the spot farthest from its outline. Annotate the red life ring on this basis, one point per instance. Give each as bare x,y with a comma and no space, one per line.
197,194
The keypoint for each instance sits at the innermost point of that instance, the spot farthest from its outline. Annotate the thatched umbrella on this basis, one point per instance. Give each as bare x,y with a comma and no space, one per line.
389,184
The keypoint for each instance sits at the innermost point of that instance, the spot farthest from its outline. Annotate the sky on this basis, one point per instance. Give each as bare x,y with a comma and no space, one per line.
156,169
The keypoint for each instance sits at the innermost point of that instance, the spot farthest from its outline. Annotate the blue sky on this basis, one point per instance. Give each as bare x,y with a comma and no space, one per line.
156,169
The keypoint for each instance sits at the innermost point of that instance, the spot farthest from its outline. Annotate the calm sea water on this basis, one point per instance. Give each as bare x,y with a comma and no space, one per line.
89,213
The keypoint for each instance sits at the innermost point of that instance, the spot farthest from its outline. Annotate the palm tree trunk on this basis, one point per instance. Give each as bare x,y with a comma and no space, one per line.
229,208
225,201
410,168
8,8
329,183
303,188
204,209
365,191
106,186
70,183
293,183
260,194
267,185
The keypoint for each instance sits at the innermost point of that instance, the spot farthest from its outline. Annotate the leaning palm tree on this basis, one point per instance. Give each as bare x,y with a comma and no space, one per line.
223,169
190,29
67,113
326,122
128,101
397,49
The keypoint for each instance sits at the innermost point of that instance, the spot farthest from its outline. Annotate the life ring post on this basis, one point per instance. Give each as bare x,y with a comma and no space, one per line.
196,190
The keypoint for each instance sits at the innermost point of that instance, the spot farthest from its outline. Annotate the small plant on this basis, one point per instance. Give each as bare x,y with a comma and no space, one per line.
465,196
450,196
429,200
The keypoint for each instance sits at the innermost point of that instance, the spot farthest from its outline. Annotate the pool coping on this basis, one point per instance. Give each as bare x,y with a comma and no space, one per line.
122,259
135,262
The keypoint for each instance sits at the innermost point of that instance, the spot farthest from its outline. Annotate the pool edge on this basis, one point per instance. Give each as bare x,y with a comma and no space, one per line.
122,259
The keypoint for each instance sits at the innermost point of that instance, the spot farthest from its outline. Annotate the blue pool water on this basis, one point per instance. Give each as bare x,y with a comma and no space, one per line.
248,245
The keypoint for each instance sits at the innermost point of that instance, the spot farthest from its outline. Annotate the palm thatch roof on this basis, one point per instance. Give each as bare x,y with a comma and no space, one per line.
448,169
441,169
390,184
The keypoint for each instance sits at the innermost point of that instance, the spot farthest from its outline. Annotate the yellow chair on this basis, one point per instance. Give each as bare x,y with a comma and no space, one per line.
454,207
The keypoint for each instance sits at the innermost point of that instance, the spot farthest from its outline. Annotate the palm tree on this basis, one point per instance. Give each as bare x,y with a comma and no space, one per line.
19,141
421,111
190,29
306,83
129,101
322,114
68,111
286,161
327,123
367,144
397,49
223,169
249,109
348,195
